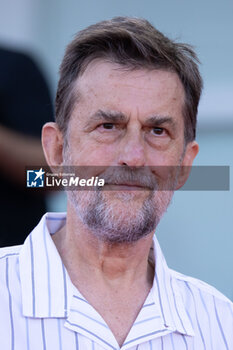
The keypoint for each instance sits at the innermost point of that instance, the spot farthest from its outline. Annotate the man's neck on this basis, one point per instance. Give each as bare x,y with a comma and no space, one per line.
84,255
114,278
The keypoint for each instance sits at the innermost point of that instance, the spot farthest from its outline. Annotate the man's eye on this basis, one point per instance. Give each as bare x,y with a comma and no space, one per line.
107,126
158,131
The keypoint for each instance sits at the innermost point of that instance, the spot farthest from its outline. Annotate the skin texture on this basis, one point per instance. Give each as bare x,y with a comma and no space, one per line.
126,119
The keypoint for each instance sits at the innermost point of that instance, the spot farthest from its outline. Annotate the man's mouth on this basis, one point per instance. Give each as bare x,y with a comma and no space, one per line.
127,186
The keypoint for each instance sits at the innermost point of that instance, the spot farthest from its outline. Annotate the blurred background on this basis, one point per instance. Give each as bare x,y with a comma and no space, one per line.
196,234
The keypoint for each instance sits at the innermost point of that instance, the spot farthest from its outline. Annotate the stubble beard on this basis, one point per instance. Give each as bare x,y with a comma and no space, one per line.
118,220
115,216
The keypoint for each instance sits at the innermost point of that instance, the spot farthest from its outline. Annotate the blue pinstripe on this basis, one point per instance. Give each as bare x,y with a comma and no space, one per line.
59,333
48,271
76,341
185,342
43,334
75,296
204,305
146,305
6,255
27,333
93,334
168,301
10,306
33,278
146,320
160,302
198,324
65,289
90,318
146,335
172,341
162,347
220,326
182,324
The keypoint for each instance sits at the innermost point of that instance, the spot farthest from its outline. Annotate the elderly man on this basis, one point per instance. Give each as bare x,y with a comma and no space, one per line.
96,279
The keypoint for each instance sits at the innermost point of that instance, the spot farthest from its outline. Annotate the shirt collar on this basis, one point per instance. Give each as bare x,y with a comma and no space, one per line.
47,290
45,284
168,295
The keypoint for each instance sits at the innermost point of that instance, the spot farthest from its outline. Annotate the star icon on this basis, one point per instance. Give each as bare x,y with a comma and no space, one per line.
39,174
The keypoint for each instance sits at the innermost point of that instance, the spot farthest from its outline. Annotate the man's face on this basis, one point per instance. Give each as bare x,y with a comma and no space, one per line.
126,119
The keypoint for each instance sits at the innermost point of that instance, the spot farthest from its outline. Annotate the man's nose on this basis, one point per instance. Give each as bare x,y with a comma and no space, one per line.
132,151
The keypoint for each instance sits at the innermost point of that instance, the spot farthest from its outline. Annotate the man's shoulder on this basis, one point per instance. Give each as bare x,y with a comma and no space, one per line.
9,252
9,264
199,290
209,311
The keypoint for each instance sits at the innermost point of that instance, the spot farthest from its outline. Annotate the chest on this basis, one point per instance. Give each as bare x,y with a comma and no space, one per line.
119,312
120,319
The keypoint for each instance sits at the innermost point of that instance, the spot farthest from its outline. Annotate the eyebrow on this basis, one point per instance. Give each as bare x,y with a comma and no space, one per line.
119,117
158,120
108,116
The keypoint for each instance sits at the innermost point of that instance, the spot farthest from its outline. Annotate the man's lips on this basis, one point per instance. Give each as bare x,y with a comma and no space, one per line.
127,186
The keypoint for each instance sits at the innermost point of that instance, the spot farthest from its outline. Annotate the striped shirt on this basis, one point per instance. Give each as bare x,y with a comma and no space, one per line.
40,308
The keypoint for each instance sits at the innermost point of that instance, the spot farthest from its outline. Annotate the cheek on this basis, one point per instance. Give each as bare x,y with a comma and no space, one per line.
168,157
88,153
161,159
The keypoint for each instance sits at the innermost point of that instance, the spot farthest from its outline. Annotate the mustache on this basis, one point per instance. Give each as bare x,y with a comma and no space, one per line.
140,177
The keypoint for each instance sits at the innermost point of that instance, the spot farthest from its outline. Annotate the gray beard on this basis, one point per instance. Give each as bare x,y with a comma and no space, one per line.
114,221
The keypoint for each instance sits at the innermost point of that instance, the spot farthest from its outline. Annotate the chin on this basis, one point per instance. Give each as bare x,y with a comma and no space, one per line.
127,195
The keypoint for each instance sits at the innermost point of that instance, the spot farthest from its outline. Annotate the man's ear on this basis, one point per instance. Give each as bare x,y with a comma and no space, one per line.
190,153
52,142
